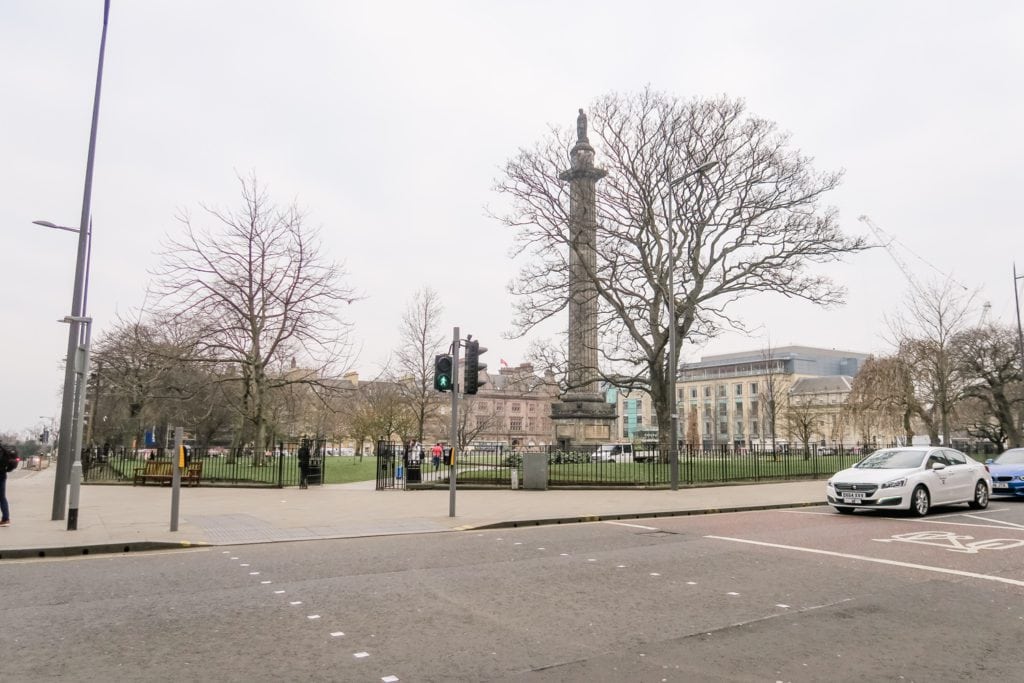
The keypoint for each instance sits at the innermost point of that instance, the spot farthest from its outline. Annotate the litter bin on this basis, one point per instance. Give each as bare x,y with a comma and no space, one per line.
413,472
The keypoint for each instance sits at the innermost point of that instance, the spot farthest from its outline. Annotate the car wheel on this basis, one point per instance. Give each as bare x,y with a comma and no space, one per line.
980,501
920,501
845,511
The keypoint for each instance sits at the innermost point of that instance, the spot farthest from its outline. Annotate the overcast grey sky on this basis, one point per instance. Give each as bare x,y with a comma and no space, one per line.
389,121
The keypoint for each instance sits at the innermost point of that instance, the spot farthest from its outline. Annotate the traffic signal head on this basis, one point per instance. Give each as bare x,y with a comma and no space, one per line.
442,372
473,367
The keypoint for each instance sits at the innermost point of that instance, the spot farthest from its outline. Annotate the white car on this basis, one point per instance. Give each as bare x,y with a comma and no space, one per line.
910,478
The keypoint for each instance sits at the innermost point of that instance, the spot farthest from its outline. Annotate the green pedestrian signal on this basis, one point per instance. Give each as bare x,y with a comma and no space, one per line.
442,372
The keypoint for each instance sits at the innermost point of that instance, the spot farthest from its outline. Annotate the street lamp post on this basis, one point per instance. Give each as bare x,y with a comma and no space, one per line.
673,350
1016,302
65,456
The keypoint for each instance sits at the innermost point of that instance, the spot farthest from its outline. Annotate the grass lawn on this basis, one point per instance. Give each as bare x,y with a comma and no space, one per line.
345,469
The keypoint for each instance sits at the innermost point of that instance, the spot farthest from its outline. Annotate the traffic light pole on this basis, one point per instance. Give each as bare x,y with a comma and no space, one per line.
454,431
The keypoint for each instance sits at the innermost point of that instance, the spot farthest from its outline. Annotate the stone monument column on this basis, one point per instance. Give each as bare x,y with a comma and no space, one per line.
582,417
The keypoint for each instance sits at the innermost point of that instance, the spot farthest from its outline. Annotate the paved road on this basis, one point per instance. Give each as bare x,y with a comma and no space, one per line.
778,595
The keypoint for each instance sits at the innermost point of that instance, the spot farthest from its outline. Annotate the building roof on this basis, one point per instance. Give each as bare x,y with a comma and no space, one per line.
822,385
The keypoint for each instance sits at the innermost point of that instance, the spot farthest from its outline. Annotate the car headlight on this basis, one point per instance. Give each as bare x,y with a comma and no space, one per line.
1020,477
895,483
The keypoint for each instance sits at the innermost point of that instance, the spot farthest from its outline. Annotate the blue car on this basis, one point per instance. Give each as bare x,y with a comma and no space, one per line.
1008,473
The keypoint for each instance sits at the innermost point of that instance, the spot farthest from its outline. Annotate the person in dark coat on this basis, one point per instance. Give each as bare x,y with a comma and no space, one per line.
304,465
8,461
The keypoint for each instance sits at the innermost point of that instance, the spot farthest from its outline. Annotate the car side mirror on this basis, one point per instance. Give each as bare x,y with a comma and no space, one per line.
989,461
938,466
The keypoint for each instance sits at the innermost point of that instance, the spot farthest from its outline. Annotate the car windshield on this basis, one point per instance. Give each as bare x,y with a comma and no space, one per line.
1012,457
892,459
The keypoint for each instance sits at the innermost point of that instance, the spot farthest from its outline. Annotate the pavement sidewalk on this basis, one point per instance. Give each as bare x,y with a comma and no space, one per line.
133,518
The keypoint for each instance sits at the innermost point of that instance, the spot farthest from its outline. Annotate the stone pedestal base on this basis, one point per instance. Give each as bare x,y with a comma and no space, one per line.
583,423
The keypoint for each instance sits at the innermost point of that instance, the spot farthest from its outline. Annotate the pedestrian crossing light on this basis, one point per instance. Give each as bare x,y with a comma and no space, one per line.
442,372
473,367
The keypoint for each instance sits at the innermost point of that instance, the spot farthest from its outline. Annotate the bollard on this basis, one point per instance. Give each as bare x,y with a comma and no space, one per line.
515,478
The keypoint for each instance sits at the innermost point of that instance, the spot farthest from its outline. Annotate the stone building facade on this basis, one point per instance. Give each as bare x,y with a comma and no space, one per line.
513,409
733,399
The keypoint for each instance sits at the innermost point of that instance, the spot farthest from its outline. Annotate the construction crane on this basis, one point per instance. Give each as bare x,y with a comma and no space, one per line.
886,240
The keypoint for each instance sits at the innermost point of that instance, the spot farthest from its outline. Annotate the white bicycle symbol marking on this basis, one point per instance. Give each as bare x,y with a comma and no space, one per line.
956,543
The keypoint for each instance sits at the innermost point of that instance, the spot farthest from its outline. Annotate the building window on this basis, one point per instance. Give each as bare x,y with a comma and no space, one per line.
753,389
739,408
739,389
693,392
515,424
739,427
639,419
517,407
533,407
499,407
753,427
721,391
707,392
639,405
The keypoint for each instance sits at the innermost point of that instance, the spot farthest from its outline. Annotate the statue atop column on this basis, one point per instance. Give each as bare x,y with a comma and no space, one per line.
582,418
581,128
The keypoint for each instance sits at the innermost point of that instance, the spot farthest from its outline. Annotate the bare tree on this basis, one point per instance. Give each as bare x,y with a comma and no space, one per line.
420,340
753,224
882,399
804,417
933,316
775,388
258,291
988,363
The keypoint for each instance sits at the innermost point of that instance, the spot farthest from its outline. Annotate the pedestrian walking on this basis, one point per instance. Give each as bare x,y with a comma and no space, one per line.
8,463
304,465
435,456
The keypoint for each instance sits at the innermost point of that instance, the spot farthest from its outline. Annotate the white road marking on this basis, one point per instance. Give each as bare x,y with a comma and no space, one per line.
313,616
691,583
360,655
782,606
939,520
390,679
997,521
244,564
878,560
278,592
956,543
635,526
655,574
337,634
266,582
295,602
254,573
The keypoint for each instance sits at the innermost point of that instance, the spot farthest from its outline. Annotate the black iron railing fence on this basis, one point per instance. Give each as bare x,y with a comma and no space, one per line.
215,466
649,467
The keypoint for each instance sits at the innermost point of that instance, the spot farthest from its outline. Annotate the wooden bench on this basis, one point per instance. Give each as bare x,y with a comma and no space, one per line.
162,471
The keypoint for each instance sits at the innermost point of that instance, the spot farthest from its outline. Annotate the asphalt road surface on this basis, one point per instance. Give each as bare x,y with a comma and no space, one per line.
787,595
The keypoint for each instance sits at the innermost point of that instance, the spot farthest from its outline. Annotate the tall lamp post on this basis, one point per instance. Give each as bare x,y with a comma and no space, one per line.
1016,302
673,351
75,320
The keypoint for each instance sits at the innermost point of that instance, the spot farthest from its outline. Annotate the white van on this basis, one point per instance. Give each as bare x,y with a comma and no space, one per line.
613,452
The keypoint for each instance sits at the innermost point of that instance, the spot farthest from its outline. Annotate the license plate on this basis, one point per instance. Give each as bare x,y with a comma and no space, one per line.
850,495
1000,485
